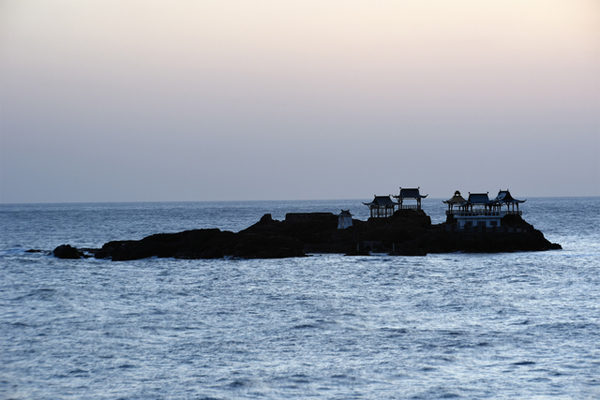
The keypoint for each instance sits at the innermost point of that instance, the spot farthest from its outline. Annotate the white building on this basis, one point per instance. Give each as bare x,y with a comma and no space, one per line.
478,211
344,219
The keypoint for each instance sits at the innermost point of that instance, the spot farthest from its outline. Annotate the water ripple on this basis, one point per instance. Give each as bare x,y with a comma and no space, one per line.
503,326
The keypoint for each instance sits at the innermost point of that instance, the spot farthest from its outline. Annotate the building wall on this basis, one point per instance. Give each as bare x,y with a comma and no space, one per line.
344,222
477,221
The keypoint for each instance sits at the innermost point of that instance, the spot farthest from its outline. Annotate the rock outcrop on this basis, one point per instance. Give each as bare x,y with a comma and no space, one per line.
407,232
203,243
67,251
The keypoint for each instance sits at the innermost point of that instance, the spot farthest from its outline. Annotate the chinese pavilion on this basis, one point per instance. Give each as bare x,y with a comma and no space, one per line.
505,198
409,194
479,211
381,207
455,201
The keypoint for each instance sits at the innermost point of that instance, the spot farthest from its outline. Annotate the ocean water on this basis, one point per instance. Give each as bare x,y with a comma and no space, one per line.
497,326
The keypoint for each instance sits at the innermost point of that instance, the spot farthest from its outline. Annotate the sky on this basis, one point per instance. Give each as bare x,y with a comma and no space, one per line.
181,100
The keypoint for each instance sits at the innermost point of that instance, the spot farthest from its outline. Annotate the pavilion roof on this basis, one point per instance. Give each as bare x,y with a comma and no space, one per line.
381,201
410,193
456,199
345,213
478,198
504,196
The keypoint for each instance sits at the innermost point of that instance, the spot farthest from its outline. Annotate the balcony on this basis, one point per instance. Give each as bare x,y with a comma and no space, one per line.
408,207
482,213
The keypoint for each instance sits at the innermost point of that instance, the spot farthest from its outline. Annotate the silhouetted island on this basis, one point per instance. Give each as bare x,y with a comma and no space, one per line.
396,228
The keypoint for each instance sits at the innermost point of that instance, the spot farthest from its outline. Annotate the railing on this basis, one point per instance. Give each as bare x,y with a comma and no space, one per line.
408,207
477,213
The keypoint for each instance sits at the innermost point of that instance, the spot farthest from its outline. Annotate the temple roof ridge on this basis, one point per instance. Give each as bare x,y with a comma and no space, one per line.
410,193
381,201
456,199
504,196
479,198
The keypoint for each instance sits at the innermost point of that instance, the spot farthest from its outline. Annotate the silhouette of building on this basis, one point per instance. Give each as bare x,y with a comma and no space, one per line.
505,198
456,201
409,194
478,211
344,219
381,207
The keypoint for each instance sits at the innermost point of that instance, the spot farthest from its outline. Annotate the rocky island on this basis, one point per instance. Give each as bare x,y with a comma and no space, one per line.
476,225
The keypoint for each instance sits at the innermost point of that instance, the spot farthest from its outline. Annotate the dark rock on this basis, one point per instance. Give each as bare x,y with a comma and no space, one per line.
357,252
409,248
203,243
251,245
407,232
67,251
265,219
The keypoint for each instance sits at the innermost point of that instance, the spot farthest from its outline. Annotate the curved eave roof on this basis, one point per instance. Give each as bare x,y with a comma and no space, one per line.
410,193
479,198
456,200
511,201
381,201
504,196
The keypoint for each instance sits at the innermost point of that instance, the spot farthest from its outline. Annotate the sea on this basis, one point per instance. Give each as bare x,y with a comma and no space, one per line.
443,326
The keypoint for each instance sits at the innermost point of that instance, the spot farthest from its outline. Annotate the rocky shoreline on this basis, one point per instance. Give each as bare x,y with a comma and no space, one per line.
406,233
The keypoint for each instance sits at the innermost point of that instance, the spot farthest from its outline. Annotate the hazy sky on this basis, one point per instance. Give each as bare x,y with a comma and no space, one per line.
148,100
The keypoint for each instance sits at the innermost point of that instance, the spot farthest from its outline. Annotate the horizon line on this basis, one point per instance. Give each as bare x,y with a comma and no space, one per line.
2,203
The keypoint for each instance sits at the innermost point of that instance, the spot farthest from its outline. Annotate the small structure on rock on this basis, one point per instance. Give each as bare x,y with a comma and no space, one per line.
410,194
344,219
381,207
505,198
478,211
455,201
